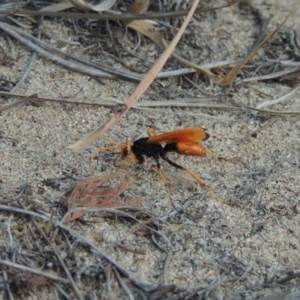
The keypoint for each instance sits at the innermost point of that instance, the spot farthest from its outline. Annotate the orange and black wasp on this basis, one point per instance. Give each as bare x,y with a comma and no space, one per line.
182,141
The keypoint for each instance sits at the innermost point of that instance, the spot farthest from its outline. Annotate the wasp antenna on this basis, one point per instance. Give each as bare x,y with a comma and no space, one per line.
98,151
202,183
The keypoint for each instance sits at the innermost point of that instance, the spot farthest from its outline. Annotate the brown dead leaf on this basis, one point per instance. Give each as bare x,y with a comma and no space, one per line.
93,191
291,79
143,26
148,30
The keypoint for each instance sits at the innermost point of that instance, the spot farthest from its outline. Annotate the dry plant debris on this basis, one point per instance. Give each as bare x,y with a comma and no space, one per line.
200,250
95,191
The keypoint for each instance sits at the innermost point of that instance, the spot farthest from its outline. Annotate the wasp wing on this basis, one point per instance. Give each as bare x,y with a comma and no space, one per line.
186,135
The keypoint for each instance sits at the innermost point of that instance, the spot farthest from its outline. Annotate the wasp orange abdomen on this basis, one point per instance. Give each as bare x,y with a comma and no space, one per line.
192,149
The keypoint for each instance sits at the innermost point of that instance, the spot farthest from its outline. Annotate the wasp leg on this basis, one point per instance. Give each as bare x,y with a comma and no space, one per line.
200,181
163,179
217,156
209,190
98,151
132,158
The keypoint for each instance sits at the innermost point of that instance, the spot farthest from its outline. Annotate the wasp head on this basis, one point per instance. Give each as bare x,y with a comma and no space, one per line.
126,150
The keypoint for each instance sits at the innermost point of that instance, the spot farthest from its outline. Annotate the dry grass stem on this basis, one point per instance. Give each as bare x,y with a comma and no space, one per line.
7,264
111,103
228,80
123,284
280,99
166,267
274,75
27,71
24,100
141,88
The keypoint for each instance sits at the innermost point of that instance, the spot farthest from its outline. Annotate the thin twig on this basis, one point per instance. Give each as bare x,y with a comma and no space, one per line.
166,267
280,99
174,212
290,64
167,103
120,213
6,286
9,233
24,76
64,293
87,67
269,76
24,100
33,271
76,66
123,284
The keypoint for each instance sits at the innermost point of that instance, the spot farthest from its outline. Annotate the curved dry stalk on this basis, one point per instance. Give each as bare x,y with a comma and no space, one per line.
33,271
270,76
24,76
228,80
123,284
82,144
168,103
166,266
26,39
280,99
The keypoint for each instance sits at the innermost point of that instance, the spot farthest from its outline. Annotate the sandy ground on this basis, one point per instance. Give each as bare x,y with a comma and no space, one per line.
225,251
